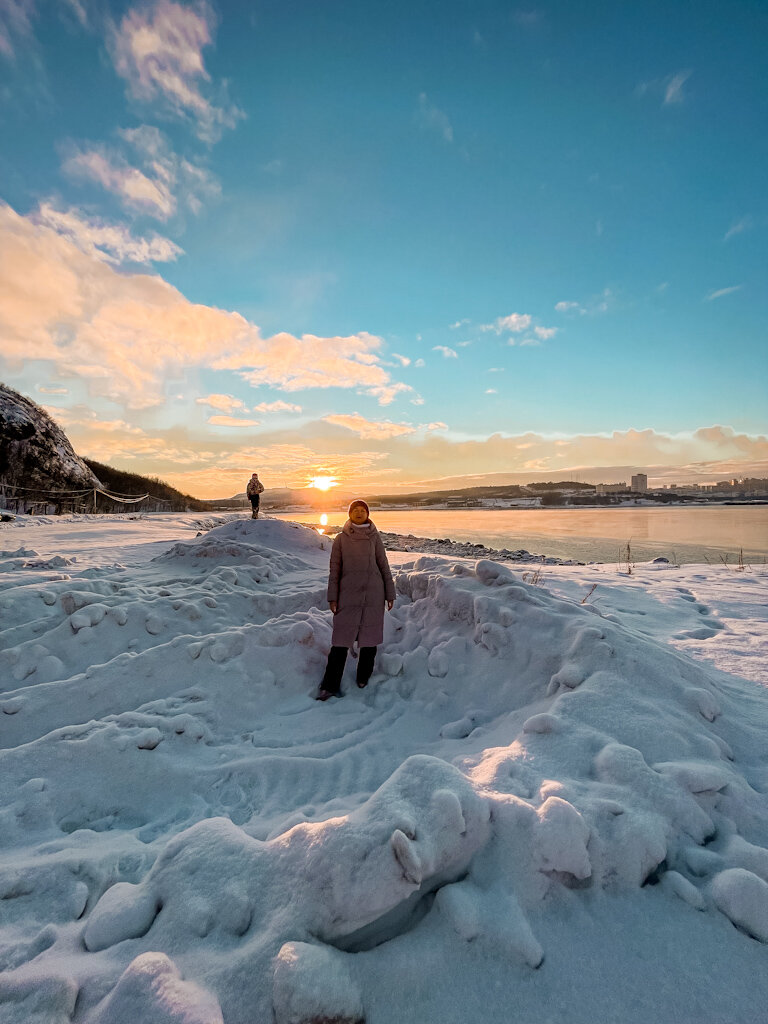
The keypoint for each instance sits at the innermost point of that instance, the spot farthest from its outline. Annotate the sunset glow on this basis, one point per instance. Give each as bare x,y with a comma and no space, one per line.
323,483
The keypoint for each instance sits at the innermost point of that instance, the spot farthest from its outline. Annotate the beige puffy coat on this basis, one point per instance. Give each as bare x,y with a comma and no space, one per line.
359,581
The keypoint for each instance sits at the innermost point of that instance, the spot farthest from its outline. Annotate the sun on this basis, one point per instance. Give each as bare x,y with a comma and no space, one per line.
323,483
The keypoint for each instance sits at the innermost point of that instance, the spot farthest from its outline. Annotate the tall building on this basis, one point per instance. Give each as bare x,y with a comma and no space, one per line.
640,483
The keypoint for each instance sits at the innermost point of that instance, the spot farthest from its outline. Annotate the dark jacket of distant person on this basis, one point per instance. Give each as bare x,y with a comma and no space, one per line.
359,581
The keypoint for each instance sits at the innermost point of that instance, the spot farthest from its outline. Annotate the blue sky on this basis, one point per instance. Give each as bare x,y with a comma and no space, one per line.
398,242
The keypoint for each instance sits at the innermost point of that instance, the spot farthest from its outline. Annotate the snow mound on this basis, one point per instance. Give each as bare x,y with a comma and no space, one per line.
271,544
191,837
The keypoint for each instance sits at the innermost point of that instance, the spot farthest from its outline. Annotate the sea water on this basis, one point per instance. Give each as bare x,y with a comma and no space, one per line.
714,533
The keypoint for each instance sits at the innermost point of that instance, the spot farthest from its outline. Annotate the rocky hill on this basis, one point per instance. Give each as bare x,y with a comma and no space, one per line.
35,453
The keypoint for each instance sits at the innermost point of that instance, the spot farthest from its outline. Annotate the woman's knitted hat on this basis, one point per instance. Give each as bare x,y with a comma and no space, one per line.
358,502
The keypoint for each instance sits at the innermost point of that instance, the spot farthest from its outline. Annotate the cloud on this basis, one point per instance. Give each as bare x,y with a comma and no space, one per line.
738,227
103,240
491,391
126,333
403,360
447,353
158,50
52,391
724,291
433,119
293,364
673,92
529,341
367,429
231,421
15,24
669,88
224,403
136,190
458,324
387,393
545,332
419,363
515,322
276,407
600,303
163,183
437,425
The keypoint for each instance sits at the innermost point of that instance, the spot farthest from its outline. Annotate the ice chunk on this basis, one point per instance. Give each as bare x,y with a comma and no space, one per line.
682,888
742,854
543,723
125,911
314,983
743,898
151,989
562,837
493,574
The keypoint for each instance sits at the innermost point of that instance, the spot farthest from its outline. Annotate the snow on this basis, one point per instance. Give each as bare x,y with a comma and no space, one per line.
548,805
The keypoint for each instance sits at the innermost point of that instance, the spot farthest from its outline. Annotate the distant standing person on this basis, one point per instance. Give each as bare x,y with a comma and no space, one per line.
253,491
359,584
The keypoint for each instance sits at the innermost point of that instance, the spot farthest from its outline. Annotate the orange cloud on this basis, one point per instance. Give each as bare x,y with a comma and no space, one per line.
125,333
369,428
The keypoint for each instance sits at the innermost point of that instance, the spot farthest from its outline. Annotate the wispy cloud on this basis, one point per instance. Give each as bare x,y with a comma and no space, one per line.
430,117
158,187
231,421
111,242
369,429
403,360
447,353
15,24
158,50
600,303
674,90
491,391
668,88
738,227
136,190
724,291
458,324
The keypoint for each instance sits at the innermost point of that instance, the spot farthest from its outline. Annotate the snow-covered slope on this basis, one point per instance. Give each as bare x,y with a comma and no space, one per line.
35,451
540,809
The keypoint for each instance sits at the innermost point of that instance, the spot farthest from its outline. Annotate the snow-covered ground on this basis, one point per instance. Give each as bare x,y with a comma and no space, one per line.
550,804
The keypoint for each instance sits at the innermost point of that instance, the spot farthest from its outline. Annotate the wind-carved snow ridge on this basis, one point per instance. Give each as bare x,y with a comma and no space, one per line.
188,836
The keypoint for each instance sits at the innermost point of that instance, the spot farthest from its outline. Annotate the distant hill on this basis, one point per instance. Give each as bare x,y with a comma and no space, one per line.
465,493
35,454
120,482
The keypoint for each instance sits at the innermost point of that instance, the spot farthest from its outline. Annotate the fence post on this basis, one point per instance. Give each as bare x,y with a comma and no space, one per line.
94,501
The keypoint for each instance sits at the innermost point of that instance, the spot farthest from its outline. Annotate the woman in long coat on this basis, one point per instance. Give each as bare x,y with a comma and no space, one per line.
359,583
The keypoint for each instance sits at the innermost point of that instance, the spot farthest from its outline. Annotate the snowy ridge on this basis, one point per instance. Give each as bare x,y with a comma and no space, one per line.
189,836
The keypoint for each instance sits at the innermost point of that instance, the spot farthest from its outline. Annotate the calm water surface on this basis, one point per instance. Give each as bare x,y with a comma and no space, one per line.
595,534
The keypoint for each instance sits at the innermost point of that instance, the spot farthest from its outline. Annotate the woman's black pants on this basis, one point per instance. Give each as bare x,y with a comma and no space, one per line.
334,670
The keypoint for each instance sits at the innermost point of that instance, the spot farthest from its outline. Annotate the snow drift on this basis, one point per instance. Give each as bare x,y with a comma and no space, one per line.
189,836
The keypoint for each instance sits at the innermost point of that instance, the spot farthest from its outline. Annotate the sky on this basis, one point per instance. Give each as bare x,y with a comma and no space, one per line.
401,244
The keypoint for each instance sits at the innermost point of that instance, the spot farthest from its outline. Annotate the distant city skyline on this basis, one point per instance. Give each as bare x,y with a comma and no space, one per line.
389,243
